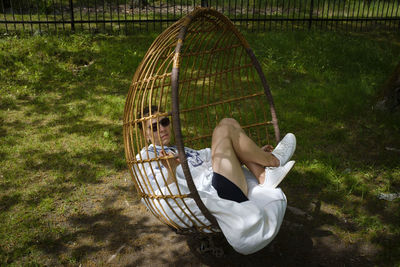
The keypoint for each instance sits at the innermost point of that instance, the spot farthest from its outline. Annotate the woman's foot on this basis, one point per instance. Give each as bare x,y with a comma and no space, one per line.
285,149
274,175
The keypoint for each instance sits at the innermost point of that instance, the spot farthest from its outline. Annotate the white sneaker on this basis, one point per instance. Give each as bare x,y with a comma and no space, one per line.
275,175
285,149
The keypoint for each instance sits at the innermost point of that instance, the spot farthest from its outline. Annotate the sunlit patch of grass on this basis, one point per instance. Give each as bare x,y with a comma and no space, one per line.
59,96
325,89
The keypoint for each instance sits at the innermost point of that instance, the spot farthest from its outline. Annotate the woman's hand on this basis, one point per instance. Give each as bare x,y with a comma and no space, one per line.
268,148
172,162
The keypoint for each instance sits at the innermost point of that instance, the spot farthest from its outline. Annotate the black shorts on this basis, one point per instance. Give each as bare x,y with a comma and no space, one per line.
226,189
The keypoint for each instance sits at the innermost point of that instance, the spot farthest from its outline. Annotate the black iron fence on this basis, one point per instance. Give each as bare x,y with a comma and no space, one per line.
130,16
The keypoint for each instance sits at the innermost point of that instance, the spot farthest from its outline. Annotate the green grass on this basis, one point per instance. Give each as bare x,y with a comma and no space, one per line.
61,110
61,107
325,88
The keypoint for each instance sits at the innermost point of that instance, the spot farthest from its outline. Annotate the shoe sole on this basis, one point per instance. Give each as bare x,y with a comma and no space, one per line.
292,162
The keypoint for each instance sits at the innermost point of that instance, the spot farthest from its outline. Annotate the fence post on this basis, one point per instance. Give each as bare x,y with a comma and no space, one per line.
204,3
71,7
311,14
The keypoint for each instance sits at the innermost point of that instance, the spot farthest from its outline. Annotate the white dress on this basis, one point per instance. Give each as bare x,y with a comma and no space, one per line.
248,226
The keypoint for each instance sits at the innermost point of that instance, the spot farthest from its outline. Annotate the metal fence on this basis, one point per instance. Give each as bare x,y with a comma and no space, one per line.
131,16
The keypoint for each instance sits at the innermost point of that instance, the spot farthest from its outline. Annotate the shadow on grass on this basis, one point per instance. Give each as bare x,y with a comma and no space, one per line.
336,128
8,201
331,231
309,239
342,152
90,72
106,229
80,167
300,242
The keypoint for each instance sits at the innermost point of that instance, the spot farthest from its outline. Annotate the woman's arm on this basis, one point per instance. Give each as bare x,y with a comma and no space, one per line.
171,164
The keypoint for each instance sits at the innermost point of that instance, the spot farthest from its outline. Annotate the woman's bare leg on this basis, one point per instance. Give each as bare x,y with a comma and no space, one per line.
224,158
231,147
246,149
257,170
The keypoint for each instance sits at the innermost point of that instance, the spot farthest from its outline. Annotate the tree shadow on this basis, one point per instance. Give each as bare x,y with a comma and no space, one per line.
300,242
329,133
8,201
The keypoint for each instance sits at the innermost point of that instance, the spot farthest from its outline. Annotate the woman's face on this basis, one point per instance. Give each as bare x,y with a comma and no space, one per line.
158,133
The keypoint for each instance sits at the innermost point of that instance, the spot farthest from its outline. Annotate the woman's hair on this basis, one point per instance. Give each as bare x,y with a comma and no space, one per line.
146,112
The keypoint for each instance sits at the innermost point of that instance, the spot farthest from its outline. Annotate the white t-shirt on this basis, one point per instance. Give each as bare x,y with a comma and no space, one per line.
199,162
248,226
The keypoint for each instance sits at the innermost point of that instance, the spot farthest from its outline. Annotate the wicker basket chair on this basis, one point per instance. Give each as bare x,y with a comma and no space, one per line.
199,70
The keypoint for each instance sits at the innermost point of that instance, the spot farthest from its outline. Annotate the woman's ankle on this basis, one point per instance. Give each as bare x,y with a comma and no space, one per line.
274,161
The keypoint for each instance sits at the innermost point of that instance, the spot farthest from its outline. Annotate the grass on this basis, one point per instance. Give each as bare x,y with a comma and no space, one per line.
62,100
325,90
62,103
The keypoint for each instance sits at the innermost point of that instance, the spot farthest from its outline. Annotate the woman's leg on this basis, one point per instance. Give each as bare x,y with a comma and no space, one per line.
257,170
231,146
224,159
246,149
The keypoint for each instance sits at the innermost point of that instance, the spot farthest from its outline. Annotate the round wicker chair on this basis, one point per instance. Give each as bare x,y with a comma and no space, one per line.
199,70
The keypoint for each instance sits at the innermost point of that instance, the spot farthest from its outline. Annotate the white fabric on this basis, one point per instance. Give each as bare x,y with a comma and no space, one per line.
248,226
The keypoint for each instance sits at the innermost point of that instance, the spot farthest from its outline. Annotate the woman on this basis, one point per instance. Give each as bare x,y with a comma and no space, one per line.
230,149
223,184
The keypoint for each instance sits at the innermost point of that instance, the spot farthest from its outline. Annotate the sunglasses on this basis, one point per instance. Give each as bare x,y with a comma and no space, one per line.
164,122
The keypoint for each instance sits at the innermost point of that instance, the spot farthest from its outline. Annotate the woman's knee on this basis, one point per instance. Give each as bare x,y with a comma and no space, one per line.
230,121
222,131
226,128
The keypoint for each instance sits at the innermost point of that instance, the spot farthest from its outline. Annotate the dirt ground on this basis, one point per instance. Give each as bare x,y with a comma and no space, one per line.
113,228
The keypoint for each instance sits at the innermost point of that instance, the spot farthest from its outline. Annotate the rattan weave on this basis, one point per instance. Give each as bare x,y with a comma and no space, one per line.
199,70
